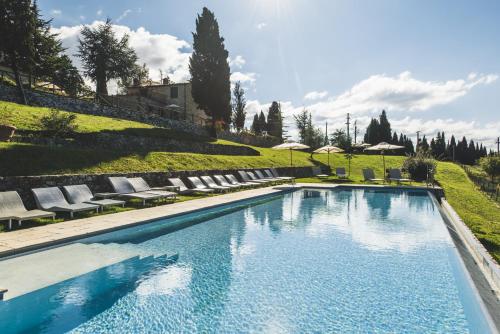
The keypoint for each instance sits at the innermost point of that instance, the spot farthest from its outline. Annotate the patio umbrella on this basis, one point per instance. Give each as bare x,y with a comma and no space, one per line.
290,146
361,145
329,149
382,147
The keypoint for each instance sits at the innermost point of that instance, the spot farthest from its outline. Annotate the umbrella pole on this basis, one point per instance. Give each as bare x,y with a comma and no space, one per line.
383,158
291,161
329,160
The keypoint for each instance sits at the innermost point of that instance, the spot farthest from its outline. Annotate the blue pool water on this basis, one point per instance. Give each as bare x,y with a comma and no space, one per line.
310,261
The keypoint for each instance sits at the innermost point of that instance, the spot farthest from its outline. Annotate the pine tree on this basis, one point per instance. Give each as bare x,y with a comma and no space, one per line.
18,27
424,146
239,104
301,121
210,73
104,56
275,120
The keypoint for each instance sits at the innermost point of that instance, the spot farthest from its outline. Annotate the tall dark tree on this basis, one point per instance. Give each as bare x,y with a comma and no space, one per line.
210,73
104,56
239,104
262,122
275,120
394,138
384,128
301,122
256,125
372,132
18,27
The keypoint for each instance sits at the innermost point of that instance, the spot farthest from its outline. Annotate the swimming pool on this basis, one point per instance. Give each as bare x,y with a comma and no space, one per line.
343,260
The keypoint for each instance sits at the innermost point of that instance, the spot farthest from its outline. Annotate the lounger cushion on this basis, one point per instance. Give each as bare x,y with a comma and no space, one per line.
78,193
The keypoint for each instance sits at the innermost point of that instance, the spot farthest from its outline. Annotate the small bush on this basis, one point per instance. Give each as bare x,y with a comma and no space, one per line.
491,165
419,165
59,124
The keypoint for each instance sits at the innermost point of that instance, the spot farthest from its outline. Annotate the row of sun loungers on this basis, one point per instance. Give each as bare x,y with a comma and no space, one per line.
78,198
394,175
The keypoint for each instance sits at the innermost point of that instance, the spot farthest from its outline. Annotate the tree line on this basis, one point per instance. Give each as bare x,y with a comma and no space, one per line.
272,125
463,151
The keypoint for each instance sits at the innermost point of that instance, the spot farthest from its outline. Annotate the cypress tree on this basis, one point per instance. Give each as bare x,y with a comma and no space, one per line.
262,122
275,120
395,138
384,132
210,73
256,125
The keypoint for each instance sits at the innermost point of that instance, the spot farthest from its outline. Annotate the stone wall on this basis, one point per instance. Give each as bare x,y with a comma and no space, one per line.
99,182
37,98
113,141
249,139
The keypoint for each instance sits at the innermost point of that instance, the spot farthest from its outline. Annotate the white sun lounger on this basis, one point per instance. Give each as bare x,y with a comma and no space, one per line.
221,180
395,175
212,185
233,180
276,174
340,171
261,176
12,208
369,175
82,194
317,172
254,178
140,185
52,199
125,189
183,190
199,185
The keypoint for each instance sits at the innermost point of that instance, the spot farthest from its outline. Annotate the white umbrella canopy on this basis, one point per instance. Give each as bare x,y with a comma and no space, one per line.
329,149
382,147
290,146
361,145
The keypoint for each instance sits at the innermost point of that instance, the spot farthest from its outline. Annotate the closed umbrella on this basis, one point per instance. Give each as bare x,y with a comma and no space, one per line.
329,149
382,147
290,146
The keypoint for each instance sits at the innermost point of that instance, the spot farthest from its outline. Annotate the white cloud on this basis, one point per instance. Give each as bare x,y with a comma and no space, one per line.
314,95
261,25
99,12
82,18
56,12
249,77
158,51
237,62
399,93
124,15
402,93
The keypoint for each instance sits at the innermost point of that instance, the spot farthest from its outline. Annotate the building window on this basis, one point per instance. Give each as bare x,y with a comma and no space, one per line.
174,92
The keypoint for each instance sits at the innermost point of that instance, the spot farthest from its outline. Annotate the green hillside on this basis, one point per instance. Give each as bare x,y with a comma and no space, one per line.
478,212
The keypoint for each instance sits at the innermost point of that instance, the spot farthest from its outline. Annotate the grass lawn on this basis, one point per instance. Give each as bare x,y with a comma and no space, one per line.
478,212
27,118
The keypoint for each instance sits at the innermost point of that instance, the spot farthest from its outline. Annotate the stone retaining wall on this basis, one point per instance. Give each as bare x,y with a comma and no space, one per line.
112,141
37,98
249,139
99,182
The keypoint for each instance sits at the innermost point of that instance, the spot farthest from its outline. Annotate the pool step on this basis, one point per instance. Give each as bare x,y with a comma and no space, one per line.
38,270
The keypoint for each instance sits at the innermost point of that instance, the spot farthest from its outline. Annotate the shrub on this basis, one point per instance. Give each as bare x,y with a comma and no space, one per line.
59,124
491,165
419,165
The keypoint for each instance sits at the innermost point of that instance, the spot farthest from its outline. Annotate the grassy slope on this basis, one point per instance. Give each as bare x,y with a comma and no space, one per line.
477,211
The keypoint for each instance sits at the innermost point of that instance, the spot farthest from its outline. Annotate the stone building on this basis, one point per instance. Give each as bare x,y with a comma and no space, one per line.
171,100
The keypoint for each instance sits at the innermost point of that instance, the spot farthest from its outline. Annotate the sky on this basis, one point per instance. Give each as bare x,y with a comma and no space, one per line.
432,65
